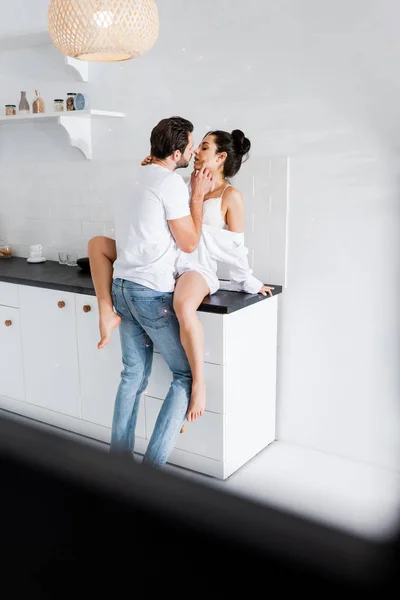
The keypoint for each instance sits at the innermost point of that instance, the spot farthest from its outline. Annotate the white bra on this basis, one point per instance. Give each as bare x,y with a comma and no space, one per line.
212,214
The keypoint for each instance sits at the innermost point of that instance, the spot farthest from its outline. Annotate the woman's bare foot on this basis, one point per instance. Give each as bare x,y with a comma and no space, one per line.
108,322
197,404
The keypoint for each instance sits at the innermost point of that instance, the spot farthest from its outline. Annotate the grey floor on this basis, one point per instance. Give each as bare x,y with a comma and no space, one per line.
351,496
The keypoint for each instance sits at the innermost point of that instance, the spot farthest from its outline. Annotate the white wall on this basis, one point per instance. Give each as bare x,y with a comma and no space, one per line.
305,80
22,15
340,318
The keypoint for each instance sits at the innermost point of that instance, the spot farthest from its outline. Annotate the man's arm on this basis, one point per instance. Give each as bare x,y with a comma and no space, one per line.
187,230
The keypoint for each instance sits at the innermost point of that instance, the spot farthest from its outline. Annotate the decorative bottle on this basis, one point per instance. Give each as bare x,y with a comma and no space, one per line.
38,104
23,104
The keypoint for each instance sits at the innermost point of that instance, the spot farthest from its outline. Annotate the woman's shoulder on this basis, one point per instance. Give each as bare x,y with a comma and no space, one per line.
232,196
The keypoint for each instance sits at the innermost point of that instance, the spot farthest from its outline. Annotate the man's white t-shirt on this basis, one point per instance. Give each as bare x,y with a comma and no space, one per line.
146,250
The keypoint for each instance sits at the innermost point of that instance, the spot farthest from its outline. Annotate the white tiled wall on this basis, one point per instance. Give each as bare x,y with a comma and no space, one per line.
61,205
264,183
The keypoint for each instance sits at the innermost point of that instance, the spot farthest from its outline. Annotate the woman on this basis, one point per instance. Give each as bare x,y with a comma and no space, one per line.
222,154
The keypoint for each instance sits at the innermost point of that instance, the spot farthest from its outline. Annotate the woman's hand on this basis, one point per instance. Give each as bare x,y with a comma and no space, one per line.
266,290
147,161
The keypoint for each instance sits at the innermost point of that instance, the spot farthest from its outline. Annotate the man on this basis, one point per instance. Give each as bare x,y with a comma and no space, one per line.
151,224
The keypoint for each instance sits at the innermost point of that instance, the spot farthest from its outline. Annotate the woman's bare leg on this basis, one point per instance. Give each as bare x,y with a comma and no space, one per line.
102,255
190,290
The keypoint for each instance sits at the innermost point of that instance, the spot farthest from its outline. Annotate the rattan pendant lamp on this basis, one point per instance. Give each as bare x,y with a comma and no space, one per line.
103,30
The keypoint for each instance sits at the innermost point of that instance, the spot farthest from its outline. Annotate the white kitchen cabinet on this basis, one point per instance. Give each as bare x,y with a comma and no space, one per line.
71,384
240,374
50,349
161,378
100,370
214,341
9,294
11,370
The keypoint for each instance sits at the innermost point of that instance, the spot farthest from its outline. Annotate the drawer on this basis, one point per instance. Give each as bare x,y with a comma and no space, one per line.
213,338
9,294
203,437
161,377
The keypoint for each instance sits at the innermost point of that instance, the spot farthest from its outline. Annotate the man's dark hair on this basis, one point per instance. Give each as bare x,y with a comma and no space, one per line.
170,135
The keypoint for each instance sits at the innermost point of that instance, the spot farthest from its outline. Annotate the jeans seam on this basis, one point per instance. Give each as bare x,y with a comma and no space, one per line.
146,362
146,358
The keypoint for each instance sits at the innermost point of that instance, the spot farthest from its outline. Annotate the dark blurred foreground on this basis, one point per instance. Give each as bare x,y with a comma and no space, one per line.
78,521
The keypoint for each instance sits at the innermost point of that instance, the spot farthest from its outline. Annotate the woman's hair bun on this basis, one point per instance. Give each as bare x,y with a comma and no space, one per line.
242,144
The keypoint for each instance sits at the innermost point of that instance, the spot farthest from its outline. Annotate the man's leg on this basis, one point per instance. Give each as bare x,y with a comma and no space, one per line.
154,311
173,411
137,357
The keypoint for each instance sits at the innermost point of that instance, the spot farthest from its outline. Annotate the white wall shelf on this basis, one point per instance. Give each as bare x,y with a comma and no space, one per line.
79,114
78,124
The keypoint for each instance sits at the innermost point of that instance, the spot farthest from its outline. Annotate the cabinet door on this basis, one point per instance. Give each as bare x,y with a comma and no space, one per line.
213,325
214,336
9,294
50,349
11,371
161,378
100,370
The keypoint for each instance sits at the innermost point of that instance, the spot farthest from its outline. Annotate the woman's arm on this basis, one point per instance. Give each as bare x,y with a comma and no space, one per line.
233,201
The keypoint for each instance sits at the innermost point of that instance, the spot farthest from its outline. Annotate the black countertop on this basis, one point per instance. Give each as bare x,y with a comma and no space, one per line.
54,276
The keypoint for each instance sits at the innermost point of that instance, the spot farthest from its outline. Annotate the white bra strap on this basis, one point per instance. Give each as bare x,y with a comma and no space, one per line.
229,185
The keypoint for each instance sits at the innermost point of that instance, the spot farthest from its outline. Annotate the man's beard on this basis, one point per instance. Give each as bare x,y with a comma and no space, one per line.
182,164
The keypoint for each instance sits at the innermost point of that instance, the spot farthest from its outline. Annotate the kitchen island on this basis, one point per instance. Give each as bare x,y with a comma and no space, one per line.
53,372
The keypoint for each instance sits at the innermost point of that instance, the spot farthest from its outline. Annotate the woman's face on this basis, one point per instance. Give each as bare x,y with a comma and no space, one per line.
206,155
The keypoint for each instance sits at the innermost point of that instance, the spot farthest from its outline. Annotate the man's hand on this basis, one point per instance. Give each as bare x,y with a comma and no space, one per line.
266,290
147,161
201,182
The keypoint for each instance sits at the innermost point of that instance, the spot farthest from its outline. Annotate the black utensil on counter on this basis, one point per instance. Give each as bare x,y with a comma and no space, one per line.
84,264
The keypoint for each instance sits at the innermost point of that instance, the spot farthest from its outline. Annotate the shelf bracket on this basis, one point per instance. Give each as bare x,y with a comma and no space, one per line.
81,66
79,130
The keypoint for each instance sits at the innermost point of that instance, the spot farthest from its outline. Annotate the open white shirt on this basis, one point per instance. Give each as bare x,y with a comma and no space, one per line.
228,247
218,245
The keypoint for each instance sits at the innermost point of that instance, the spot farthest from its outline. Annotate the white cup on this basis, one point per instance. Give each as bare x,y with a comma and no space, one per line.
36,250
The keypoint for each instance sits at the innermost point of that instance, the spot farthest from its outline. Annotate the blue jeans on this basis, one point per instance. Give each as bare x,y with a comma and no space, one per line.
148,317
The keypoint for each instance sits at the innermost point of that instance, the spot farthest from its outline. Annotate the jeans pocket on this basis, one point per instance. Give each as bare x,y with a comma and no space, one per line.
153,313
114,300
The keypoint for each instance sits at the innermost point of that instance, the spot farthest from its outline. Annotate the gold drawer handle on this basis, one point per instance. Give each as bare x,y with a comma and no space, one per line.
87,308
8,323
61,304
